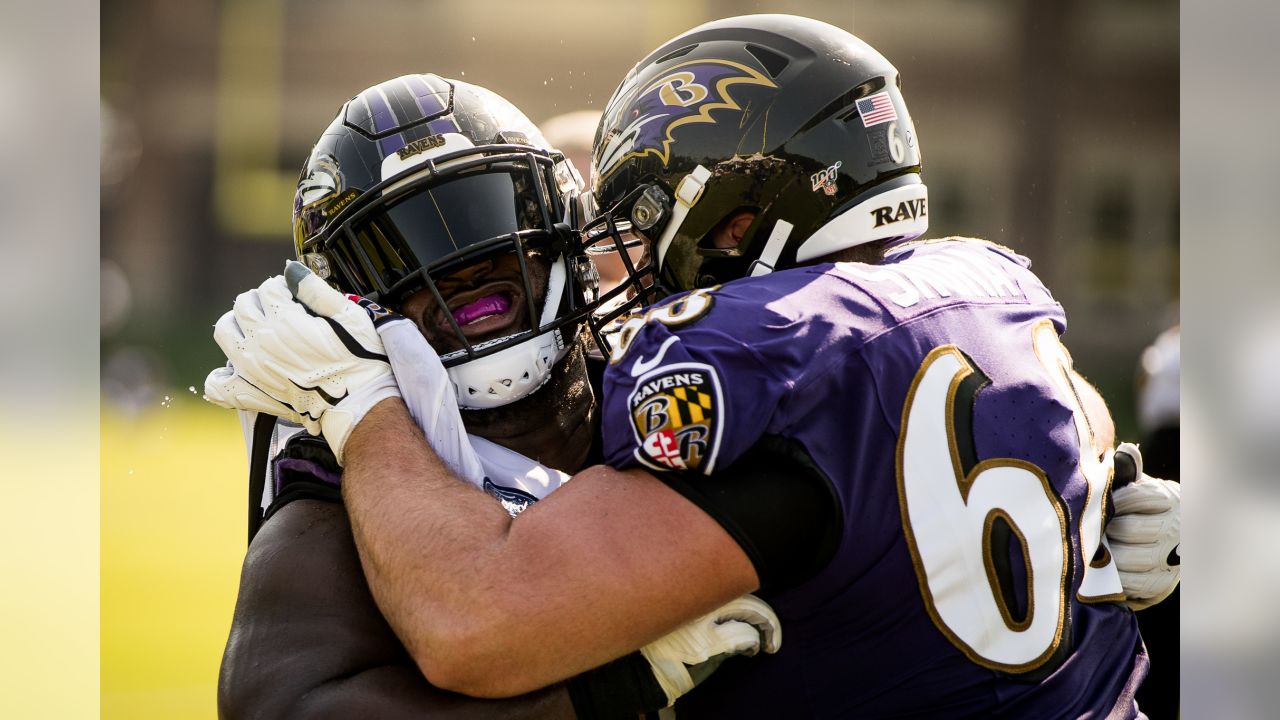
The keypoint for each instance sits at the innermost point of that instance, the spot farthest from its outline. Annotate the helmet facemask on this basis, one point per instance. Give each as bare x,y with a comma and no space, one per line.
448,211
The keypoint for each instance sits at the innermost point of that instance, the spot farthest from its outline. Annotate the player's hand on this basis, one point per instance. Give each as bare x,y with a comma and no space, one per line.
683,658
658,674
317,356
427,390
1146,531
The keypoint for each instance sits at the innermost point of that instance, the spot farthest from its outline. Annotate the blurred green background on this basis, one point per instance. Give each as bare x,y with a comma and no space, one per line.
1051,127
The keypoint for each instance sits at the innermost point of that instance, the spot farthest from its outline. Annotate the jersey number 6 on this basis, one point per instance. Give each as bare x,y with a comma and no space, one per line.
957,524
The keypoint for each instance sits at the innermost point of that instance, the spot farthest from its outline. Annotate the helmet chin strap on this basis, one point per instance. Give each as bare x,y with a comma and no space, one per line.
764,264
514,373
688,193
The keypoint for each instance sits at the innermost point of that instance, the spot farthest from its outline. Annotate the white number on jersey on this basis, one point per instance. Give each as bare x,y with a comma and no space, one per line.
949,519
681,312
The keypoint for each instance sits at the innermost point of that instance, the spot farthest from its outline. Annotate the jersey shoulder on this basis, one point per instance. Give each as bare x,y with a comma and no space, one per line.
948,270
698,378
750,326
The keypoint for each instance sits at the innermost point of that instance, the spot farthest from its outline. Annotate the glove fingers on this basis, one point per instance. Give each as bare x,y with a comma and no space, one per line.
738,638
757,612
1158,588
1127,462
248,309
307,288
313,292
226,389
1137,585
1136,558
1147,496
765,624
1150,584
1135,529
295,322
274,298
228,334
216,388
356,320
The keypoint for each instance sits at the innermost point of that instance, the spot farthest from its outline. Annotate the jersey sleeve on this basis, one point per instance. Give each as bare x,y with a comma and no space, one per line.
305,469
694,397
687,396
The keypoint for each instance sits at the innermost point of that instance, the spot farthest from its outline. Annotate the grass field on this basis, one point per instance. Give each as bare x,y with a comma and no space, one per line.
173,537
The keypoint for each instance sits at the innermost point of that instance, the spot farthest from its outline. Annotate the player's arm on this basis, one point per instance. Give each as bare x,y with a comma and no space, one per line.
307,640
364,667
493,607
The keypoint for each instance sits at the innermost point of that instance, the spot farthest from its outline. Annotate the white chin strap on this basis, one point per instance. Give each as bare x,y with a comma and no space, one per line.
688,193
509,375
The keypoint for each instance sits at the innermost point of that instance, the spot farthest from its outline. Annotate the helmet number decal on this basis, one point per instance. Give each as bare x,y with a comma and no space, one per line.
887,144
896,149
680,90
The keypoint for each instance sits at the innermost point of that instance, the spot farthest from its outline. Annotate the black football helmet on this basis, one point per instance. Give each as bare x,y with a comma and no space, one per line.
421,176
793,119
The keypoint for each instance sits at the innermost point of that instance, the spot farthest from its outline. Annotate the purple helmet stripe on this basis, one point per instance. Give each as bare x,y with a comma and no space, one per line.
379,113
431,104
383,119
428,99
444,125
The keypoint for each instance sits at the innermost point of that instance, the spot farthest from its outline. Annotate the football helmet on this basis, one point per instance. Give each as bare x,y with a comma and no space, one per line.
419,177
793,119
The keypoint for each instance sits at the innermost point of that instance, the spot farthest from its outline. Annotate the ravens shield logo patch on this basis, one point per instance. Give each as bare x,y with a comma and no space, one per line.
675,413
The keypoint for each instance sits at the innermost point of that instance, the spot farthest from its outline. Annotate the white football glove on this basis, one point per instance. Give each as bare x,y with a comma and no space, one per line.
316,360
683,658
1145,534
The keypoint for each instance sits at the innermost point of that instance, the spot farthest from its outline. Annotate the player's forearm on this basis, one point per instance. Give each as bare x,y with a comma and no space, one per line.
399,692
427,543
492,607
385,692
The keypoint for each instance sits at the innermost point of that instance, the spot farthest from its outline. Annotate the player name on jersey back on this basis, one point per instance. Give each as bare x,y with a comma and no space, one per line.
956,271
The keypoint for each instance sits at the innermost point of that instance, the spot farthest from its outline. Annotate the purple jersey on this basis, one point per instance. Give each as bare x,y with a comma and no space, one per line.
972,577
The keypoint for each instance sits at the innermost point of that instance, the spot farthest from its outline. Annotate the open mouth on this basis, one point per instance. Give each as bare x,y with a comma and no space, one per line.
487,312
482,309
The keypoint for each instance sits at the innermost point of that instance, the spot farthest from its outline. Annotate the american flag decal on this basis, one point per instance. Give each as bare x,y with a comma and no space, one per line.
876,109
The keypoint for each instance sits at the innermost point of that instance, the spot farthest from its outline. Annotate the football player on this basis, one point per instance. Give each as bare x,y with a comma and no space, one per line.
939,546
424,191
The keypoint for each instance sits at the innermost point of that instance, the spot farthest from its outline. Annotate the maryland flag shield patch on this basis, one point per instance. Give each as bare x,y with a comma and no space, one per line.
675,413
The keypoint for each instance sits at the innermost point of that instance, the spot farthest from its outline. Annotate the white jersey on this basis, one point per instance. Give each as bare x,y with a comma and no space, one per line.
511,478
